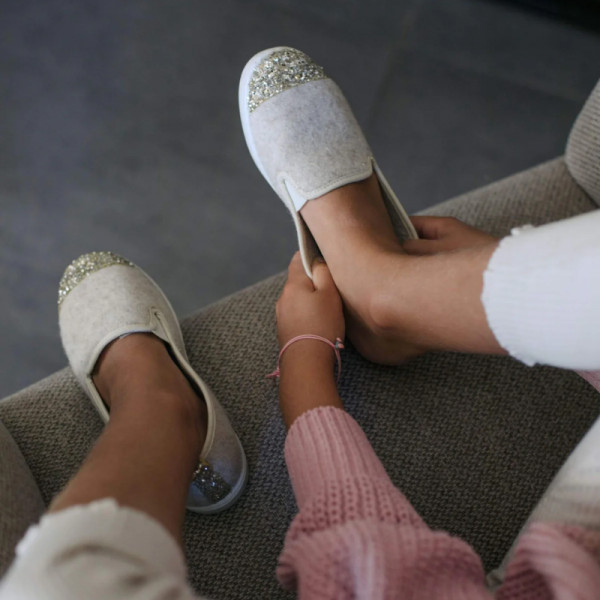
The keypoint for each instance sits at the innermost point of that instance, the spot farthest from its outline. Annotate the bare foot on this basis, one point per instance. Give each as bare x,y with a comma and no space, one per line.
354,232
137,367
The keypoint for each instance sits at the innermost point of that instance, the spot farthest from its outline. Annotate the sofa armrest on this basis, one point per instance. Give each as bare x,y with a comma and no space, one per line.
583,147
20,499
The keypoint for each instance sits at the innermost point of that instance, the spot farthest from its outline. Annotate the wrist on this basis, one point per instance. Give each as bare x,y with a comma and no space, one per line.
307,379
308,355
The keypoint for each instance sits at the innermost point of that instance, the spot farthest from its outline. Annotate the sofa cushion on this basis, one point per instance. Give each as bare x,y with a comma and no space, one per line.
583,147
20,499
472,440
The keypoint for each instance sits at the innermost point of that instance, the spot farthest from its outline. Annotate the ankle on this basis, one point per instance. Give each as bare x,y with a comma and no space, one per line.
372,296
137,373
354,213
176,410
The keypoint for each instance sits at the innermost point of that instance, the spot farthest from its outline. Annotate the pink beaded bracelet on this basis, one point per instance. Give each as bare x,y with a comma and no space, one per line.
337,346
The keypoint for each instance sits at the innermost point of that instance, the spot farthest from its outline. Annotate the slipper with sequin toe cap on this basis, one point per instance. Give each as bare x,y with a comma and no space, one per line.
304,138
102,297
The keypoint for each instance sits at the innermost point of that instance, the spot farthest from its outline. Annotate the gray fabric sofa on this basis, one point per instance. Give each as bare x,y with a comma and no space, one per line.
473,441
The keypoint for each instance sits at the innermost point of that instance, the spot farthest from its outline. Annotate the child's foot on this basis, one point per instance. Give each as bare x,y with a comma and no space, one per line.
138,366
105,303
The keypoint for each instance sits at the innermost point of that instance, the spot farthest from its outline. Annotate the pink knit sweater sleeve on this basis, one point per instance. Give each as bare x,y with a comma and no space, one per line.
357,536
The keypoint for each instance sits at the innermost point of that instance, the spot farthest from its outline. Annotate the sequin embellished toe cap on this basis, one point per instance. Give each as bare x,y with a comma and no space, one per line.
282,69
86,265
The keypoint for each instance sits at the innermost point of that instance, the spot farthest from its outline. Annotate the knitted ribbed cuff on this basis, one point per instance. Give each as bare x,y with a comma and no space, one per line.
105,524
506,297
541,293
326,444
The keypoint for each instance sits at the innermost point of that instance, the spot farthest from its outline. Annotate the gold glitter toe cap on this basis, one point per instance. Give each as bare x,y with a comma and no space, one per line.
280,71
84,266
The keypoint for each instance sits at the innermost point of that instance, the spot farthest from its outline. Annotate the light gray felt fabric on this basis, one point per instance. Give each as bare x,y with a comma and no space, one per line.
20,499
88,318
472,440
316,151
583,147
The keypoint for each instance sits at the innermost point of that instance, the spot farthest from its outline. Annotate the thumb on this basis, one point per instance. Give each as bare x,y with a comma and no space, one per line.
421,247
322,279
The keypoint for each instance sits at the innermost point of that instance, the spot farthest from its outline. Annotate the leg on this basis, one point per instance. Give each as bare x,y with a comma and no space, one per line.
398,305
147,453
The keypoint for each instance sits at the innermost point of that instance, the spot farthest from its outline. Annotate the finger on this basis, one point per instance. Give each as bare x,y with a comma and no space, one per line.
322,278
431,228
296,273
421,247
427,227
295,268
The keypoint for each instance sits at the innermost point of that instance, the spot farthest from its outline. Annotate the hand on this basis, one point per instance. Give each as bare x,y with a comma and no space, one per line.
307,306
307,375
436,301
443,234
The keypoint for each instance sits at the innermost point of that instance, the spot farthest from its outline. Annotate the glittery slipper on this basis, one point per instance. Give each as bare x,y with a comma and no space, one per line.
102,297
304,138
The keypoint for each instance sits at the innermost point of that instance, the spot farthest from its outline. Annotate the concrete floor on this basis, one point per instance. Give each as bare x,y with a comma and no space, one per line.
119,131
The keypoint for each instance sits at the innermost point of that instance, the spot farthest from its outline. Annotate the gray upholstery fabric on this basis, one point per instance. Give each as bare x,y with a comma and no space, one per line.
472,440
539,195
20,499
583,147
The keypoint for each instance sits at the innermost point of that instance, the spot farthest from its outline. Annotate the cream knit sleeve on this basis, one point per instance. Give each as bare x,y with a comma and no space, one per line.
541,293
98,551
